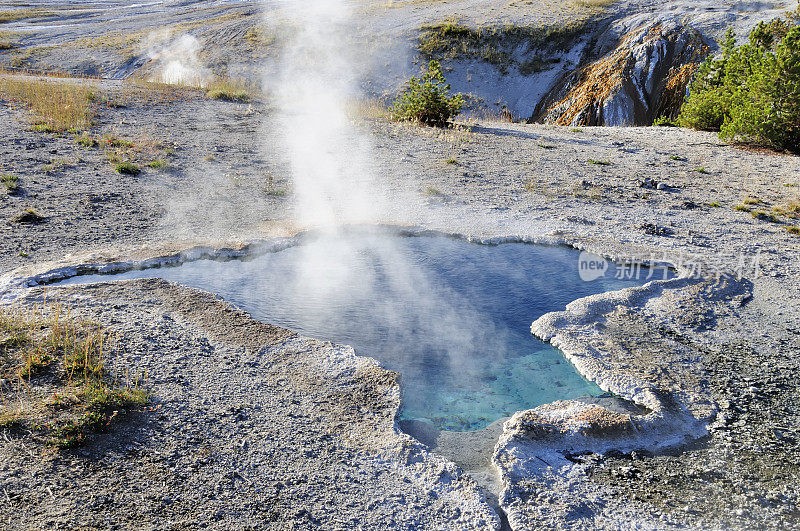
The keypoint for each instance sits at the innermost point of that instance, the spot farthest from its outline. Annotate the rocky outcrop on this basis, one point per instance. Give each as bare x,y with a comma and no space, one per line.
638,77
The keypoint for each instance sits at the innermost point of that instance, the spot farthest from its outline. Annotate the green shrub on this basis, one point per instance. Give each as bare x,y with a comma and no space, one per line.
663,121
751,94
86,140
427,99
11,182
128,168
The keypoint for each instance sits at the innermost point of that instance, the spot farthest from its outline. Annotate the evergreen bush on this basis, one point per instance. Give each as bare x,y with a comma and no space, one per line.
751,94
427,99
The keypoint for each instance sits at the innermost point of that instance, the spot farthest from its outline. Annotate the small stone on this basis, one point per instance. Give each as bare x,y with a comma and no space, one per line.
655,230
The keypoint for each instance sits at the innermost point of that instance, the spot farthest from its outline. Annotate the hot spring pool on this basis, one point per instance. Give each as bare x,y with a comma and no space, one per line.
452,317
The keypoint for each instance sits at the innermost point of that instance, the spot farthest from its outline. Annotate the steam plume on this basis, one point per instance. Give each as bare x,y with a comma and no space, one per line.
334,184
177,60
318,78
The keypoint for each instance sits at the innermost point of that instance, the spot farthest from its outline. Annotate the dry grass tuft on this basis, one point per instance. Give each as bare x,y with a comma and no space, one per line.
765,216
450,39
21,14
593,4
790,209
29,216
53,379
259,37
10,182
230,90
146,92
128,154
366,107
219,88
58,106
128,168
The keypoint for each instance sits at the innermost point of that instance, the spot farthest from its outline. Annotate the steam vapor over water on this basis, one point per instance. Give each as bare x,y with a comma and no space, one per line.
334,185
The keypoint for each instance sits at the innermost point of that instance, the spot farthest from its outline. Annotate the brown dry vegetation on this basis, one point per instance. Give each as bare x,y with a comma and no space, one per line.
228,89
53,379
219,88
789,209
593,4
127,153
116,40
8,40
57,106
21,14
450,40
366,107
143,91
259,37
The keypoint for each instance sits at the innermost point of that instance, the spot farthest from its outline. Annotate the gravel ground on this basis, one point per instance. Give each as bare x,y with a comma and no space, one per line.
86,202
213,454
253,428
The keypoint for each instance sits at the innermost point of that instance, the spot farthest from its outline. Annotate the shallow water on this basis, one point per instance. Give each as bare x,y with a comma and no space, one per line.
453,318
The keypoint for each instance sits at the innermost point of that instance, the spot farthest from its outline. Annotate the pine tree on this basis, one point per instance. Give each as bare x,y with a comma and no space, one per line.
427,99
752,93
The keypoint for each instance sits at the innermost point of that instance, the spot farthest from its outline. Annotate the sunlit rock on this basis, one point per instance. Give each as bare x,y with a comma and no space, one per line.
643,76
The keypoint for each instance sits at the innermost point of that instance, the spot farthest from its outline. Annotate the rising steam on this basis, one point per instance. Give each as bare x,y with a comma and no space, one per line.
334,184
177,60
317,80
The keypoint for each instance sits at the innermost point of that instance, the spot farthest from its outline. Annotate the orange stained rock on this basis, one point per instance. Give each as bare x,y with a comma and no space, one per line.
603,79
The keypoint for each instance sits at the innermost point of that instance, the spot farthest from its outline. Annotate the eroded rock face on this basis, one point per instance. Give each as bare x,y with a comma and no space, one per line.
643,76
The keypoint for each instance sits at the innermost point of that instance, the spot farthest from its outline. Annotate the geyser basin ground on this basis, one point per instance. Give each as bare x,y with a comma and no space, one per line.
452,317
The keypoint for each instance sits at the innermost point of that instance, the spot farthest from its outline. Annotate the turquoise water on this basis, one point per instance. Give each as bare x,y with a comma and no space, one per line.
453,318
